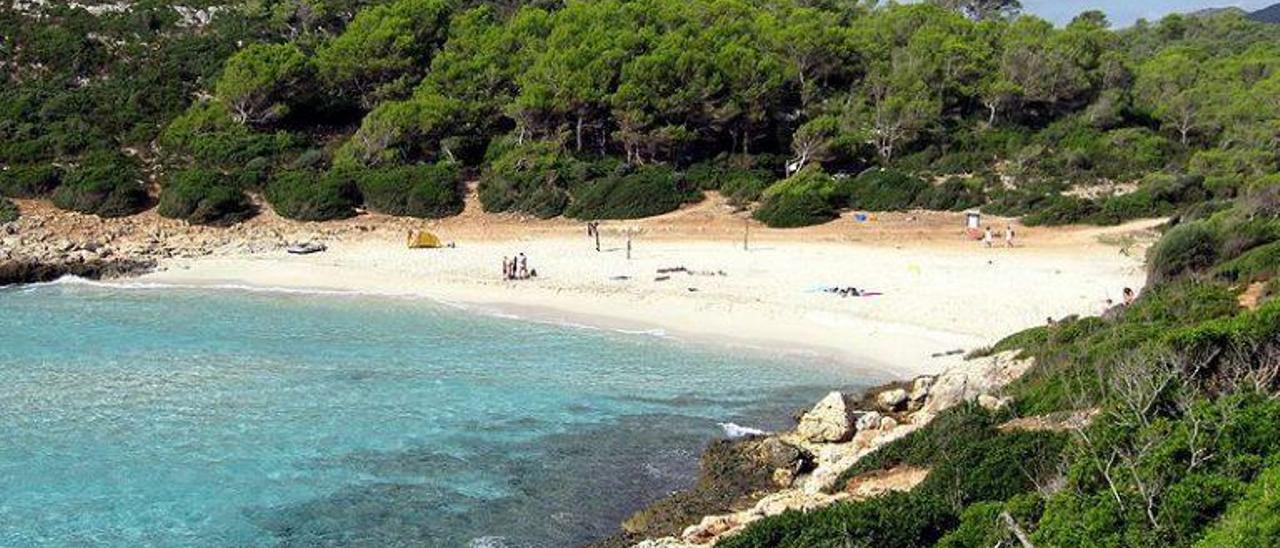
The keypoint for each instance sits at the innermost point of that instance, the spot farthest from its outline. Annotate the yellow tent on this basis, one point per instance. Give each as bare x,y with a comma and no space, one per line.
423,240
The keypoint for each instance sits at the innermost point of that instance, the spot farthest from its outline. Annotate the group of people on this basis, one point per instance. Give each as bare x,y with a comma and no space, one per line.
988,238
517,268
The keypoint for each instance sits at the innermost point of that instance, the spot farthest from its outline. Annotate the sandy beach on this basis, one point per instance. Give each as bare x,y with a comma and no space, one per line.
936,292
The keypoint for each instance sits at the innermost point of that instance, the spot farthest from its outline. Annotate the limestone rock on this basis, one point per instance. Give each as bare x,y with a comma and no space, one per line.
972,379
920,387
829,421
891,400
992,403
869,421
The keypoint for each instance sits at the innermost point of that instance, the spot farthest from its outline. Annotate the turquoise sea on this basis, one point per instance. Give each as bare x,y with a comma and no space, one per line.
217,417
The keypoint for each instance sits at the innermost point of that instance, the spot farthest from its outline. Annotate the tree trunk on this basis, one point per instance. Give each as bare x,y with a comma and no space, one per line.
578,134
1017,530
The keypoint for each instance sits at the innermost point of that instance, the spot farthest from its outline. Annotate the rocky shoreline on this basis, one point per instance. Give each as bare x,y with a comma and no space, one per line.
17,272
744,480
44,243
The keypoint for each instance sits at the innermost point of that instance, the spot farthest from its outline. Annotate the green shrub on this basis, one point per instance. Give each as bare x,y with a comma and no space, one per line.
1134,151
882,190
533,178
1061,210
312,196
106,184
429,191
806,198
1186,249
647,192
742,179
8,211
29,181
954,194
1254,520
896,519
1182,303
207,134
1260,263
981,526
203,197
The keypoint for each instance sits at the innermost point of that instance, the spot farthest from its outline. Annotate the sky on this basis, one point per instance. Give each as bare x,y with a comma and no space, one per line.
1123,13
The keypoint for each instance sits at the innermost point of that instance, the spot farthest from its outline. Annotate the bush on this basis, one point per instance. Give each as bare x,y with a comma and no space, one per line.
1134,151
1061,210
207,133
955,194
741,179
1182,303
882,190
8,211
1257,264
203,197
312,196
1186,249
106,184
896,519
532,178
29,181
429,191
1254,520
806,198
647,192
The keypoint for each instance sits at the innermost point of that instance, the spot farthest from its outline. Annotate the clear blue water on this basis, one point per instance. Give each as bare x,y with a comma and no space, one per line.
176,417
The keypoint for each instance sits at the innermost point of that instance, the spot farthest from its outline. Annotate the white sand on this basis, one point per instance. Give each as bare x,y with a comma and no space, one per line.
936,297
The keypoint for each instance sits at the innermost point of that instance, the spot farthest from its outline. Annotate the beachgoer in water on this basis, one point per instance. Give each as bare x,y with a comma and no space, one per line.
1129,296
1008,236
986,237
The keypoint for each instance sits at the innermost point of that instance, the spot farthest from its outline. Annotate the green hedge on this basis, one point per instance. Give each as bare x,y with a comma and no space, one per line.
312,196
533,178
806,198
647,192
883,190
429,191
1259,263
204,197
8,211
742,179
106,184
1186,249
29,181
1254,520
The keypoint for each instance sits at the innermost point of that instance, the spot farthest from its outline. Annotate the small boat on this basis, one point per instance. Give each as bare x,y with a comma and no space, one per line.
306,249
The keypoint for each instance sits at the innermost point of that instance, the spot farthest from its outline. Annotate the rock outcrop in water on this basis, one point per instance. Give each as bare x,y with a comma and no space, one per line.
742,481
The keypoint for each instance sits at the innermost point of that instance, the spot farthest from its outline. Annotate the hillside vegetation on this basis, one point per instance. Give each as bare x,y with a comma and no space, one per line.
628,108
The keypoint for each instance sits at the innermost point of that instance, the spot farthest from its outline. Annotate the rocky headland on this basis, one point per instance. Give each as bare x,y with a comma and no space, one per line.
747,479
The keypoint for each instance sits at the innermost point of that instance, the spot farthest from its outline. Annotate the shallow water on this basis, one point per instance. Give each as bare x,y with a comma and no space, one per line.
166,417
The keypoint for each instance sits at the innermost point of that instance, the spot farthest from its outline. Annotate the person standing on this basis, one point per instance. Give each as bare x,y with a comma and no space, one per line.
986,237
1008,235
